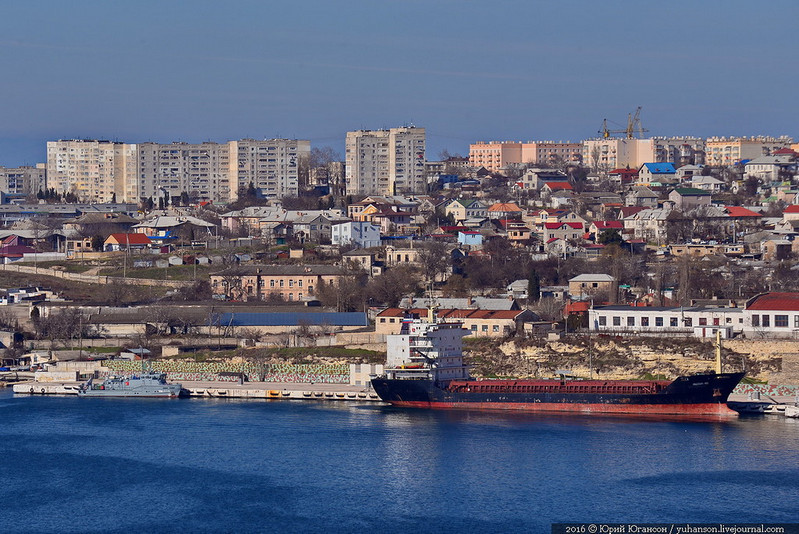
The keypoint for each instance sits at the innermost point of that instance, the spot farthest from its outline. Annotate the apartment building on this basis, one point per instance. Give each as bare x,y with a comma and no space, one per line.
23,181
733,150
604,155
201,170
495,155
680,150
386,162
271,165
94,170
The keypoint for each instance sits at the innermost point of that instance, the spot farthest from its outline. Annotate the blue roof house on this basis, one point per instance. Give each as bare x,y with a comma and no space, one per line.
657,173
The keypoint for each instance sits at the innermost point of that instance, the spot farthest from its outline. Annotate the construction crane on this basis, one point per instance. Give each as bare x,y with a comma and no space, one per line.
633,126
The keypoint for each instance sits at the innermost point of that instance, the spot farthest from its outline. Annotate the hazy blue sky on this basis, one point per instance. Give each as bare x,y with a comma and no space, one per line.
493,70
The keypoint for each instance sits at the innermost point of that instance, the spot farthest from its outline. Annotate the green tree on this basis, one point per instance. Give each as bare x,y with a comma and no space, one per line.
533,287
611,236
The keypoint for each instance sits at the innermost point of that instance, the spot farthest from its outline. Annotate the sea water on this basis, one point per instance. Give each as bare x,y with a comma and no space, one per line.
191,465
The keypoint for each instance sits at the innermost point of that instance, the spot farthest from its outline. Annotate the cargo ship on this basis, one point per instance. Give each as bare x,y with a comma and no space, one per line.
425,369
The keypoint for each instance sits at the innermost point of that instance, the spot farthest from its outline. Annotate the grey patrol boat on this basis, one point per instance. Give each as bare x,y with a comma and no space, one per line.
147,384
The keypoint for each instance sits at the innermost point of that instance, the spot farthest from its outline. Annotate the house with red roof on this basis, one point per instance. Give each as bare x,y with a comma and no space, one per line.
739,212
791,213
117,242
596,228
554,187
772,315
562,230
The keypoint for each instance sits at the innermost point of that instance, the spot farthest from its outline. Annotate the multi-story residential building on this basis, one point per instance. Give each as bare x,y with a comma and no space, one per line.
98,170
610,153
201,170
258,282
271,165
93,170
495,155
680,150
385,162
23,181
733,150
551,152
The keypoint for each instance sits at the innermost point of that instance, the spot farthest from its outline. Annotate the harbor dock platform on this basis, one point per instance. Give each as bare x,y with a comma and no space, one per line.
232,390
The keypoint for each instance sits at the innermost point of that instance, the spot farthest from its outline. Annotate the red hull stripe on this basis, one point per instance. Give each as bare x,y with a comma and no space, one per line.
632,409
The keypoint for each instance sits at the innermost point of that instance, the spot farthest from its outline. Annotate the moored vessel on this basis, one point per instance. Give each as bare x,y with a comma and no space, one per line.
146,384
425,369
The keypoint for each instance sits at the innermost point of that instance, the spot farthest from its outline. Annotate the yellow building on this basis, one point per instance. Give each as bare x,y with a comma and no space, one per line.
732,150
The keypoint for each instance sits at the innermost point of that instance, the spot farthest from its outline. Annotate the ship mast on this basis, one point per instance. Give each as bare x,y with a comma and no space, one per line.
718,351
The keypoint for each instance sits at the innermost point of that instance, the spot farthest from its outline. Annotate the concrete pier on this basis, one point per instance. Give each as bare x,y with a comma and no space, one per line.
231,390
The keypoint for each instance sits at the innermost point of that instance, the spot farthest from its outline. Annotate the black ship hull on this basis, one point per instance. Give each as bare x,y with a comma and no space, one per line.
687,395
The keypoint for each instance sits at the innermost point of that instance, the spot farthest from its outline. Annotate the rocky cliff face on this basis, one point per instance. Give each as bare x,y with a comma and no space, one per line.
630,358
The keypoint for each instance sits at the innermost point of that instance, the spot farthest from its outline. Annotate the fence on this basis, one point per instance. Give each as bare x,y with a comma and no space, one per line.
229,372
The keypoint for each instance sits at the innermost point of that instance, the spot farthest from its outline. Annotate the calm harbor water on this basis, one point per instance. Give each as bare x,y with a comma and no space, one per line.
137,465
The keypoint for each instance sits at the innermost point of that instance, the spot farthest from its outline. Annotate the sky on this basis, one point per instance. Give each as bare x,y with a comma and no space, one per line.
466,71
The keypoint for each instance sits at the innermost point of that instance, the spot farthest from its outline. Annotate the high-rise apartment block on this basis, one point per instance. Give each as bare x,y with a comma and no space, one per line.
733,150
97,171
93,170
495,155
23,181
271,165
385,162
200,170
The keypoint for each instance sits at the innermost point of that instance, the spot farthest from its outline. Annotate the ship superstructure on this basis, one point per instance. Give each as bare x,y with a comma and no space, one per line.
426,350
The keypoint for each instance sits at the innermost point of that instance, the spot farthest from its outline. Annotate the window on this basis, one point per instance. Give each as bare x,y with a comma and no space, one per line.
703,321
281,283
766,321
291,283
689,321
495,328
673,321
473,328
796,321
603,321
658,321
781,321
644,321
617,321
382,319
630,321
485,328
755,320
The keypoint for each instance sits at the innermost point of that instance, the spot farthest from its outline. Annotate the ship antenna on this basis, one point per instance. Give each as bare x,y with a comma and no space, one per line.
718,351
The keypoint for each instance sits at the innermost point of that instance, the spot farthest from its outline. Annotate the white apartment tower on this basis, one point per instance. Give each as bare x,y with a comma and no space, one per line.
200,170
271,165
93,170
385,162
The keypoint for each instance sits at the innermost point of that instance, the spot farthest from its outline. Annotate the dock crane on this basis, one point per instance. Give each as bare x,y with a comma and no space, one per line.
633,126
